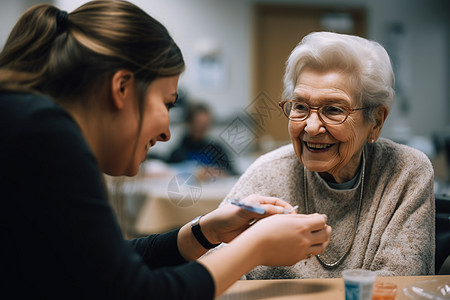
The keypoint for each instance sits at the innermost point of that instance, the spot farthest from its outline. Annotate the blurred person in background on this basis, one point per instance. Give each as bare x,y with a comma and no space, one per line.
90,92
197,147
378,195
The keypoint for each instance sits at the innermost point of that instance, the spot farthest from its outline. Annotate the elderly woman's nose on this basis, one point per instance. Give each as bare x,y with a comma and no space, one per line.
313,124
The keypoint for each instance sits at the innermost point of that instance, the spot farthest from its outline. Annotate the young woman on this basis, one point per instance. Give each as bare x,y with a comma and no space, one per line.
89,92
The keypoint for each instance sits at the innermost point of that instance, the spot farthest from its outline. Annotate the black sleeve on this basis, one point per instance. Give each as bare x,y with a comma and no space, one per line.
158,250
65,242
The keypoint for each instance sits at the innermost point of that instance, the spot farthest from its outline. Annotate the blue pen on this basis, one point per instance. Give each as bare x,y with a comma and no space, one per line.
256,208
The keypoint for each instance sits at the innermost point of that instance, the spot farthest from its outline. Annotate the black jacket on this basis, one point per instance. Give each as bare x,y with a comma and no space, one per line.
60,238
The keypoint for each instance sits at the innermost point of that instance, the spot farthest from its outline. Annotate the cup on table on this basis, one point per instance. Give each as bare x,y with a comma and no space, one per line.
358,284
384,291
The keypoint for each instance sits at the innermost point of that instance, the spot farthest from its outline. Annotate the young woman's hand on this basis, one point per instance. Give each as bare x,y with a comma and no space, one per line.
228,221
284,240
278,240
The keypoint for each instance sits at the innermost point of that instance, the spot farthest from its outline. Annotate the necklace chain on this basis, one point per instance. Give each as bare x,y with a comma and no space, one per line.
341,259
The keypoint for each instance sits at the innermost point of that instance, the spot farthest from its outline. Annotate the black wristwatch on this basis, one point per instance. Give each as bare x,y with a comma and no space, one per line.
197,232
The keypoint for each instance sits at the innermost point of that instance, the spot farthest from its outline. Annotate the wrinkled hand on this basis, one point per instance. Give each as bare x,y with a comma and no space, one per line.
228,221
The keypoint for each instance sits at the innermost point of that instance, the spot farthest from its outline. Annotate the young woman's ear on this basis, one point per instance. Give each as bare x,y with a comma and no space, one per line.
122,84
380,114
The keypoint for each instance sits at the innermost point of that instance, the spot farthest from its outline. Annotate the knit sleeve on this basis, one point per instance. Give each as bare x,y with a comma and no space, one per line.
252,181
245,186
407,244
270,175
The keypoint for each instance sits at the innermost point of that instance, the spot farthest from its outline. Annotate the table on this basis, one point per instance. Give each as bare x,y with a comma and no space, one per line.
163,197
169,204
323,289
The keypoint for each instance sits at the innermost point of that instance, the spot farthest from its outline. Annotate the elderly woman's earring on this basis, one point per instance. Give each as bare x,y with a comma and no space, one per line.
372,141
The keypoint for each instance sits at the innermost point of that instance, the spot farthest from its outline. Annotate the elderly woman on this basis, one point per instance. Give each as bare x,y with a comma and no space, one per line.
378,195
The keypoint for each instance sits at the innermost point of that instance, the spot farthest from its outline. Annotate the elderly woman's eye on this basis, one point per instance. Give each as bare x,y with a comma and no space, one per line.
333,110
300,107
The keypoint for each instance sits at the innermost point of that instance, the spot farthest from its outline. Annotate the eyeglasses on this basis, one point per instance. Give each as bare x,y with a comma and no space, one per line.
328,114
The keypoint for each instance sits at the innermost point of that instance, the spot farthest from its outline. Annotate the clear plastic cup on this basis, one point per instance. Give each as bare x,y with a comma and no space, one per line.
358,284
384,291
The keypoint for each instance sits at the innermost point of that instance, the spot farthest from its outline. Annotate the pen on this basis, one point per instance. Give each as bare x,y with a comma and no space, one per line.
256,208
291,210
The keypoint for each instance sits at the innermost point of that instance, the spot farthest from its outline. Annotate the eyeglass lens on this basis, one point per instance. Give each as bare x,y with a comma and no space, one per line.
330,114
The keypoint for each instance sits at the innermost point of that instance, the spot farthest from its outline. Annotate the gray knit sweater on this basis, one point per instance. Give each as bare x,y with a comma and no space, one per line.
395,235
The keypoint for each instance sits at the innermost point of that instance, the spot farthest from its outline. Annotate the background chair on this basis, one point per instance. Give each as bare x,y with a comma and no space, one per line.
442,262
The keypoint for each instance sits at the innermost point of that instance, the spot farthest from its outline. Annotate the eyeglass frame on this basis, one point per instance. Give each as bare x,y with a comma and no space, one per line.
316,108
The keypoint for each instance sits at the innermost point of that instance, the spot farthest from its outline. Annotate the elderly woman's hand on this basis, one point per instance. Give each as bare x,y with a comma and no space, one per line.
228,221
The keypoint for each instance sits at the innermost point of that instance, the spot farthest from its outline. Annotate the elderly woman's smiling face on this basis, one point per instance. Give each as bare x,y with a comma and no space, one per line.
329,149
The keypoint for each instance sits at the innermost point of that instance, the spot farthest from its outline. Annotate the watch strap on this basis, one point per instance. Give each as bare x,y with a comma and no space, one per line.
197,232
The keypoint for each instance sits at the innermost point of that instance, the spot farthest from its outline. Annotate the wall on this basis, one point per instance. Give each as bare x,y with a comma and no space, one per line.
10,11
199,24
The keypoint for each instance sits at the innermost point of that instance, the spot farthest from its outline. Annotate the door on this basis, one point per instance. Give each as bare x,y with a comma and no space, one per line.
278,29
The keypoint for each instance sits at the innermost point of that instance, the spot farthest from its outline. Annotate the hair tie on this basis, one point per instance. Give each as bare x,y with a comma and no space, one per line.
62,18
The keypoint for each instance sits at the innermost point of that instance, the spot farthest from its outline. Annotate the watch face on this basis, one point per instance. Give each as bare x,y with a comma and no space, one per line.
195,221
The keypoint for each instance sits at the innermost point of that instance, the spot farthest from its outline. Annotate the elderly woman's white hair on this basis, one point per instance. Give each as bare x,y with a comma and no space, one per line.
366,62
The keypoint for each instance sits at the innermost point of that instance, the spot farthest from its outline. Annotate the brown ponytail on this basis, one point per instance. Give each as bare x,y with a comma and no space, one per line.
23,60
